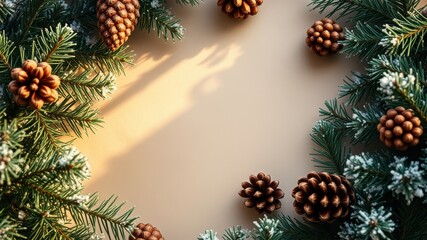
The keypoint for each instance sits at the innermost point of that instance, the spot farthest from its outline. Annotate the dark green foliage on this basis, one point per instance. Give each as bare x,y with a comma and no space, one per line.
158,18
294,229
329,152
364,40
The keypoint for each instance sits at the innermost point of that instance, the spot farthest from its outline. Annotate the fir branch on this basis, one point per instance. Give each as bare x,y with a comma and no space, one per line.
9,230
358,88
296,230
328,153
100,57
157,17
384,63
363,126
412,220
406,35
25,15
335,114
44,132
6,50
362,10
55,45
5,11
368,170
83,86
235,233
104,217
70,116
364,41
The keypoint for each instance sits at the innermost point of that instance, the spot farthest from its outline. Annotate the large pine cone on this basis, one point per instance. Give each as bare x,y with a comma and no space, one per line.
262,193
239,9
323,37
146,232
400,129
116,20
323,197
33,84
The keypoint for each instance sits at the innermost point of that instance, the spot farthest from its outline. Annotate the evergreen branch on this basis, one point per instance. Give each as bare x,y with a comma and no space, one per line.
70,116
55,46
5,11
404,65
364,41
412,220
359,87
368,170
45,134
364,123
99,56
67,167
401,81
6,50
406,35
83,87
329,147
47,227
25,15
335,114
297,230
9,229
235,233
408,5
362,10
104,217
188,2
157,17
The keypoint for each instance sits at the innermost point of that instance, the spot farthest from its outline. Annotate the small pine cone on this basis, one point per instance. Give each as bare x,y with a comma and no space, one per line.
146,232
323,37
116,20
239,9
400,129
262,193
323,197
33,84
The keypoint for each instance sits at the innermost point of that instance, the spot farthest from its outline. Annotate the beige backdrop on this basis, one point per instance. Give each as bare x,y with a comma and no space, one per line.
191,120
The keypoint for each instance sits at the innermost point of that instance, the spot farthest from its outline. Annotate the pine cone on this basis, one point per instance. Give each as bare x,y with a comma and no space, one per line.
323,37
400,129
33,84
146,232
323,197
239,9
116,20
262,193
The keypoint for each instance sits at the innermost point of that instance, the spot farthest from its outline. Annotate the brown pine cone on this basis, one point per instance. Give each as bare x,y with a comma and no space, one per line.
262,193
239,9
116,20
400,129
33,84
323,37
146,232
323,197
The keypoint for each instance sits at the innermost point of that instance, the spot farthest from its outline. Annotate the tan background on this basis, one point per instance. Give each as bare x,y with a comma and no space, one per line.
191,120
